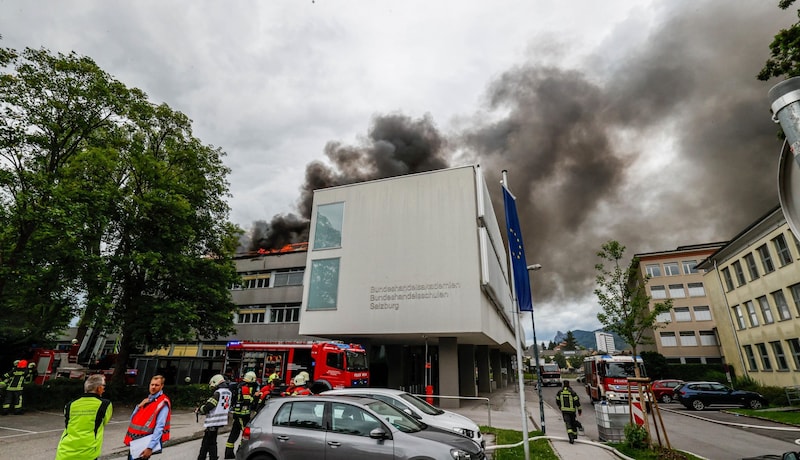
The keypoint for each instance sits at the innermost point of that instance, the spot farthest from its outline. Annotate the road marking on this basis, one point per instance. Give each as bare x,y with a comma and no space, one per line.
28,432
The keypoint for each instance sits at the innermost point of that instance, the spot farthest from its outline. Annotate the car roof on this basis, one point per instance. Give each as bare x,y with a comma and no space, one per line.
389,391
363,400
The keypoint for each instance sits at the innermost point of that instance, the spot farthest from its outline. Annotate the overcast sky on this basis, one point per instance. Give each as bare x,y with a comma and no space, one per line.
640,121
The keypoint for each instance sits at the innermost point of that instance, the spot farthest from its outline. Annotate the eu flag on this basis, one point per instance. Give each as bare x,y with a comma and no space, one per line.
516,250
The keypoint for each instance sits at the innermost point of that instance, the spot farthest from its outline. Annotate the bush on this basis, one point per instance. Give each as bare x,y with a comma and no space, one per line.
636,437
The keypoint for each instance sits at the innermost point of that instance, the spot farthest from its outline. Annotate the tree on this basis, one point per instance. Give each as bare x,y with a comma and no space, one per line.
623,298
784,51
569,342
576,361
560,360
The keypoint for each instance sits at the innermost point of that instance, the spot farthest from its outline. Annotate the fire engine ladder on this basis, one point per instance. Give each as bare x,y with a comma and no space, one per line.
645,393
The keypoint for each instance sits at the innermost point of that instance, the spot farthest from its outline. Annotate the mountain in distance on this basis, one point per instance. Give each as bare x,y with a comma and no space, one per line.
586,339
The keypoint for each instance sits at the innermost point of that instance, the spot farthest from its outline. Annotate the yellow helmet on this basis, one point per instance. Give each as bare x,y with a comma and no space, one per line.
301,378
31,365
250,377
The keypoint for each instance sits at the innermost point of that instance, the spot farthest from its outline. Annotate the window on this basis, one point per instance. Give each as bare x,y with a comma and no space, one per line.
696,290
766,259
658,292
708,338
688,339
301,414
682,314
213,353
351,420
702,313
737,270
671,269
668,339
766,311
291,277
689,266
251,315
794,348
783,307
750,260
665,317
259,281
284,313
751,313
751,358
737,310
762,353
653,270
328,230
784,255
676,291
796,296
323,289
780,357
726,275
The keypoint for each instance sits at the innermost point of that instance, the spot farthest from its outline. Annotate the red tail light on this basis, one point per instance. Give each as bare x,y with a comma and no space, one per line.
246,433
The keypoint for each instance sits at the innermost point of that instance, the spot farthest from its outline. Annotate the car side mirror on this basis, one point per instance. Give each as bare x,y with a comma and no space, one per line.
378,433
790,456
412,413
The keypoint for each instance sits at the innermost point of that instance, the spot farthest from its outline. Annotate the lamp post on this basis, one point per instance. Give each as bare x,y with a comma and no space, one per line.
533,268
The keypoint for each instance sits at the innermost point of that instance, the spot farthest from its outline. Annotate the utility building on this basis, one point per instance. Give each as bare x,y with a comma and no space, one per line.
414,268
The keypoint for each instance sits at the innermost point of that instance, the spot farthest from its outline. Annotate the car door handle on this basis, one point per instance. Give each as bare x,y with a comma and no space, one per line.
283,437
334,444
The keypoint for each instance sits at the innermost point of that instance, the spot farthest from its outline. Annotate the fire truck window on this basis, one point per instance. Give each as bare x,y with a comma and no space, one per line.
335,360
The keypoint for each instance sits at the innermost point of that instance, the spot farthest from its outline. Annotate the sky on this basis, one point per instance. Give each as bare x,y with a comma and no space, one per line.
637,121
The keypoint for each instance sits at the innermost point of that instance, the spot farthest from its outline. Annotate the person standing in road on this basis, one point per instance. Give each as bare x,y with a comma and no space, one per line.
570,404
85,419
15,379
216,410
245,399
151,417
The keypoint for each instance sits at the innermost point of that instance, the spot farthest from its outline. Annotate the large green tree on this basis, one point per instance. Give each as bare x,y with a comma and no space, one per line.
110,210
623,298
570,343
784,57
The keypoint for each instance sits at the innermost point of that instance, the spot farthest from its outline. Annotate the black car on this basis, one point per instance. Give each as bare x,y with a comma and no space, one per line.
699,395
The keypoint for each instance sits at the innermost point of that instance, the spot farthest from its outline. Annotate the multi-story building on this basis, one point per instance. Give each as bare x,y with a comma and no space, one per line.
754,286
605,342
687,334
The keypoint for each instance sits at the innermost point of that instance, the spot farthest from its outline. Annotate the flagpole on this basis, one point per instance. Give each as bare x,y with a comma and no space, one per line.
525,444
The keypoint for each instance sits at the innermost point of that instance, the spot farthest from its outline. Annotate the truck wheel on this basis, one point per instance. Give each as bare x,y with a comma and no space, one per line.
320,386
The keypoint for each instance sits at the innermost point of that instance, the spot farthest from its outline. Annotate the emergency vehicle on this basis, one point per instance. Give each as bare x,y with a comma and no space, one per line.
551,374
51,364
607,377
330,364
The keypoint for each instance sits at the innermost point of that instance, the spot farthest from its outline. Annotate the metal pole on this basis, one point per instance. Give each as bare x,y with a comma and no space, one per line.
536,356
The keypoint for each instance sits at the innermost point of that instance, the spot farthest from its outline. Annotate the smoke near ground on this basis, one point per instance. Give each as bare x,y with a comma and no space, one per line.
655,140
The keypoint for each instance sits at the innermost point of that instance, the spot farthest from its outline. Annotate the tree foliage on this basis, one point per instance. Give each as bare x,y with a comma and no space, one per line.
569,342
623,299
560,359
784,57
110,210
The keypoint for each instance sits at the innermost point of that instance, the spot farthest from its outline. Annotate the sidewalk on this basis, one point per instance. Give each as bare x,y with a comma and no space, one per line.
506,414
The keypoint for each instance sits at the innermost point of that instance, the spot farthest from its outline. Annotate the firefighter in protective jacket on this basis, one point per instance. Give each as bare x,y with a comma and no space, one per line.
245,397
570,404
216,410
15,379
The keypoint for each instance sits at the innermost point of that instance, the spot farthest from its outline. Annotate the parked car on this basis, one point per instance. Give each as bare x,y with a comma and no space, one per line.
699,395
419,409
663,389
347,428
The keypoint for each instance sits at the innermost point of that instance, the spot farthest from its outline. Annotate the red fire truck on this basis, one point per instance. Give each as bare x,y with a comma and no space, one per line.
51,364
607,376
330,364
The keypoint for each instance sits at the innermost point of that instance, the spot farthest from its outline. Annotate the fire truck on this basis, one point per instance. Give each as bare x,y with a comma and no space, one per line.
51,364
330,364
607,377
551,374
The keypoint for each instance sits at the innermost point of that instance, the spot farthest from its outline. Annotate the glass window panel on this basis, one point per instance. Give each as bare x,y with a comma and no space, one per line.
708,338
762,353
796,297
671,269
696,290
328,230
664,318
726,275
783,307
739,272
766,259
682,314
784,255
737,310
702,313
780,357
688,339
766,310
323,289
689,266
794,349
751,313
668,339
750,261
653,270
658,292
751,357
676,291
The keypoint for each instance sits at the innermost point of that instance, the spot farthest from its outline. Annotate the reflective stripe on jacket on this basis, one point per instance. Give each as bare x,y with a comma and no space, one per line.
86,418
145,419
219,414
568,400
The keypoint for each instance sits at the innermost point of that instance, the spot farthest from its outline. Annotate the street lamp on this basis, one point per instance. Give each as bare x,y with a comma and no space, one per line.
533,268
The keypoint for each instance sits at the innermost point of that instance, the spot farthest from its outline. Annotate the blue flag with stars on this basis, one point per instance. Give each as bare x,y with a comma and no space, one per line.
516,250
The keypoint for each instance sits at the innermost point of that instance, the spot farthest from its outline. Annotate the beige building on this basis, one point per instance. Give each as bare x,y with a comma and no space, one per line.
687,334
754,286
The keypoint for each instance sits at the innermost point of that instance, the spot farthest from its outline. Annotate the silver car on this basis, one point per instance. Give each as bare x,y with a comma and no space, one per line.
347,428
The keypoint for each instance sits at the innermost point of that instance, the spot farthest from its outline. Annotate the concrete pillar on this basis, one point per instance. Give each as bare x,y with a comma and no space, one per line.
448,371
397,365
467,384
496,363
482,360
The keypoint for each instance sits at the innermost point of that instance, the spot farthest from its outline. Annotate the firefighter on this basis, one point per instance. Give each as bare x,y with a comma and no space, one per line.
32,373
299,386
216,410
245,397
569,403
15,379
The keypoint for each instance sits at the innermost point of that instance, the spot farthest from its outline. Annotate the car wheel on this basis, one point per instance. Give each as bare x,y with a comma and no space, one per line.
753,404
666,398
698,405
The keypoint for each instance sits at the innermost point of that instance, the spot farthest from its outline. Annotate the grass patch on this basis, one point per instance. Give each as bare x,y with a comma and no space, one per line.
540,450
783,416
656,453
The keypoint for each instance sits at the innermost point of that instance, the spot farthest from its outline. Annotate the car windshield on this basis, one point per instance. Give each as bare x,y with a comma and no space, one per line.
397,418
420,404
356,361
622,370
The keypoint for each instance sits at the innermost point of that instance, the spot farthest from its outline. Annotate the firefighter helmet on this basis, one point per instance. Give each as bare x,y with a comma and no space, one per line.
301,379
216,381
22,364
31,365
2,385
250,377
16,362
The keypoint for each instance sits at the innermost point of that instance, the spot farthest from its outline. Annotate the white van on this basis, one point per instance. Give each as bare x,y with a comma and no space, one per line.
419,409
